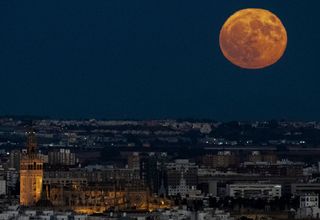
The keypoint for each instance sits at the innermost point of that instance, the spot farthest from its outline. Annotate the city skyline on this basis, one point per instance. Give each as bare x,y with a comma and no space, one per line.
159,110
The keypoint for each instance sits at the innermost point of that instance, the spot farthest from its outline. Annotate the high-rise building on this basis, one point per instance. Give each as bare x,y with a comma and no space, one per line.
134,161
224,159
14,161
12,176
3,187
62,157
181,174
152,171
31,173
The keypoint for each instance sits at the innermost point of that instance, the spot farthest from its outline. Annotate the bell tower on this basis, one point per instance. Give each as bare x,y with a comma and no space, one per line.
31,142
31,172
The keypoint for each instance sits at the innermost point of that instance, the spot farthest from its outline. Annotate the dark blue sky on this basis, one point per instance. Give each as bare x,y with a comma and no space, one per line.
151,59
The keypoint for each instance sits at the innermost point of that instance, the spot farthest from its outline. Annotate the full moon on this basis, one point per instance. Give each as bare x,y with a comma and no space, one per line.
253,38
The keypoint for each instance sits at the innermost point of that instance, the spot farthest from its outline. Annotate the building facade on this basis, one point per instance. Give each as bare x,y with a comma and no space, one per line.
62,157
14,161
31,173
254,190
222,159
309,207
182,177
299,189
134,161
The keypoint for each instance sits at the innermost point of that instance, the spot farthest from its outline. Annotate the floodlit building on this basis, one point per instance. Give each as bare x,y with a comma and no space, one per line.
31,173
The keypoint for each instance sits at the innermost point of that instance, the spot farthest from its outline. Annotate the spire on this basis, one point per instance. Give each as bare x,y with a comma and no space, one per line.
31,141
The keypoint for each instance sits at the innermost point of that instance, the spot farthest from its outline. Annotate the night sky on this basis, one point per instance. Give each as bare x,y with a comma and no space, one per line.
148,59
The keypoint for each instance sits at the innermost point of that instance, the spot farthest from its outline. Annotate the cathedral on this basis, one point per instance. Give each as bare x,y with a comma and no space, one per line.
79,190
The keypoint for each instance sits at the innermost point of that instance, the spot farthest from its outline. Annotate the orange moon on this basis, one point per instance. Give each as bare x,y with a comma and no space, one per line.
253,38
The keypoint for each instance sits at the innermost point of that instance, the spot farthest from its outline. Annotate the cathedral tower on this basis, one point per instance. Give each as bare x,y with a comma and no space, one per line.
31,173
